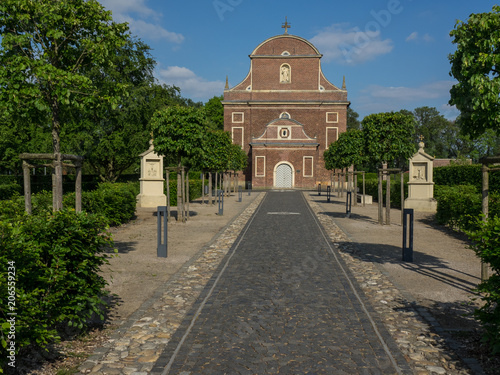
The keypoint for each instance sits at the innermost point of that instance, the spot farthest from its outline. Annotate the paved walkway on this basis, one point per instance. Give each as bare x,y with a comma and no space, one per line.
282,302
273,294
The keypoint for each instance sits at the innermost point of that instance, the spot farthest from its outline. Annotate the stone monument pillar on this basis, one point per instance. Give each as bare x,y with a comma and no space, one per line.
151,181
420,184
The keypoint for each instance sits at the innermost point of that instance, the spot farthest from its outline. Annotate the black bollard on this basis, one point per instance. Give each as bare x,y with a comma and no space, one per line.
161,250
240,193
328,193
220,200
348,204
408,235
319,189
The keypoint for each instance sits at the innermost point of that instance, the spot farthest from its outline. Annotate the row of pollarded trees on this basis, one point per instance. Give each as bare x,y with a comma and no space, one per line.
186,135
384,138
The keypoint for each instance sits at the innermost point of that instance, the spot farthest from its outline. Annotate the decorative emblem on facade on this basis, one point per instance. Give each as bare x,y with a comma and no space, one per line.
152,169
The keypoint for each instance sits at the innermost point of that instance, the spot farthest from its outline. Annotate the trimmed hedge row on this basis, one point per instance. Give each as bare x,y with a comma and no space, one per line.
194,190
51,264
371,188
460,206
114,201
465,175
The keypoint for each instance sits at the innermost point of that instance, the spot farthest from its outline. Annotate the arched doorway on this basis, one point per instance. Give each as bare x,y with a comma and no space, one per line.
283,176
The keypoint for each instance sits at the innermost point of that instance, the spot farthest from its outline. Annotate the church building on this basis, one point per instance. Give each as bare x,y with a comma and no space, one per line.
285,113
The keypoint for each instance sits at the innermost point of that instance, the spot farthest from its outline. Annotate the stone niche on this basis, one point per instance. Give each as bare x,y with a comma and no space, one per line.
420,184
151,181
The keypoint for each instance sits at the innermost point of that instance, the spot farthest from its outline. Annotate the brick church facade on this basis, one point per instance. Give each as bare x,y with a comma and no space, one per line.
284,114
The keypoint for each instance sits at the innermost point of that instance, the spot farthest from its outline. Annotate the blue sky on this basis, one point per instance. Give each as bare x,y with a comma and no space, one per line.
393,53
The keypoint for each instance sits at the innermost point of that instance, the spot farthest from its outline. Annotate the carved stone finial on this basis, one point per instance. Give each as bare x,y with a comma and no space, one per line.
343,84
227,84
421,144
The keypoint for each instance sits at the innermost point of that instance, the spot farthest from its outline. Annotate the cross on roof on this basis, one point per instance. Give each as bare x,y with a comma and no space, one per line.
286,25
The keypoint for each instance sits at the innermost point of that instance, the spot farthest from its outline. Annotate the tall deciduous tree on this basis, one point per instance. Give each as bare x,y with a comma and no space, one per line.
352,119
431,125
179,132
215,111
348,150
47,46
389,137
475,65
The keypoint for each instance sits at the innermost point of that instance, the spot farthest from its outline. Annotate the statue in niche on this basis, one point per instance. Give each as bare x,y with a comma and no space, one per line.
285,74
419,173
152,171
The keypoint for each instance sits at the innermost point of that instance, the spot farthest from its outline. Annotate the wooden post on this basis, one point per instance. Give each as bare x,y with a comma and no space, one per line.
57,187
380,199
355,189
402,196
388,200
78,187
485,209
210,188
168,194
183,195
27,187
364,189
186,196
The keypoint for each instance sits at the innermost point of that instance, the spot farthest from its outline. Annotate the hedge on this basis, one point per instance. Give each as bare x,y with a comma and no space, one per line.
194,190
114,201
486,244
465,175
371,187
50,265
459,206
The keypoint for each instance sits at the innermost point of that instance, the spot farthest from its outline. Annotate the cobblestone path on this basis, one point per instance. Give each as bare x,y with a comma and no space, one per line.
282,301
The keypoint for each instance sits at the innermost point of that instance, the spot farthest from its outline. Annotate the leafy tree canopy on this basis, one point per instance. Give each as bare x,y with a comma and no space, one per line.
475,65
352,119
348,150
179,132
215,111
389,137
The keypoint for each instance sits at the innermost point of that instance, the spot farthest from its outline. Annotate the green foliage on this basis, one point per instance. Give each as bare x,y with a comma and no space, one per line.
9,190
346,151
352,120
475,66
371,187
389,137
179,132
114,201
434,129
217,153
486,244
57,258
465,175
215,111
194,190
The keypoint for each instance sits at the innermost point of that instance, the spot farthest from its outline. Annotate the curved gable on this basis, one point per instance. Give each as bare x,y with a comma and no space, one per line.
292,44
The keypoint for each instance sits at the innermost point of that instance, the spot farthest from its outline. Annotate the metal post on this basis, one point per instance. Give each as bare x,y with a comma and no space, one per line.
220,200
319,189
402,195
161,250
348,204
328,193
240,193
249,187
408,235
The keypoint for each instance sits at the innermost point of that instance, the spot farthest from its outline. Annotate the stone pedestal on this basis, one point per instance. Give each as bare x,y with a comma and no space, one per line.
151,181
421,185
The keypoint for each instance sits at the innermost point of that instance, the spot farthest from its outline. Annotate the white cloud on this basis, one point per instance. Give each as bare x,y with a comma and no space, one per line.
191,85
412,36
143,21
376,98
417,38
352,46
